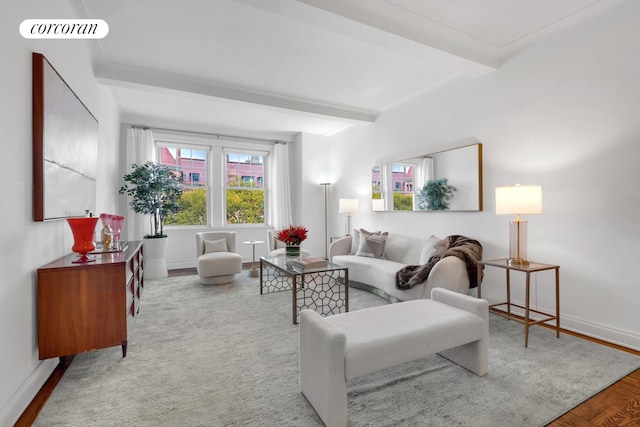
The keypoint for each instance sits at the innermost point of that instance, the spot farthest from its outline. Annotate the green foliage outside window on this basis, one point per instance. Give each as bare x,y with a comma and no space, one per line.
402,201
245,206
193,210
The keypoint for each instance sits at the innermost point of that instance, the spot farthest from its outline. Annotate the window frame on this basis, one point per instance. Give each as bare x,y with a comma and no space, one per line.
265,154
173,142
216,147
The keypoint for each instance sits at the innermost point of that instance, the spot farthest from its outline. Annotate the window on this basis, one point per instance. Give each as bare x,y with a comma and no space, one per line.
223,180
191,163
244,186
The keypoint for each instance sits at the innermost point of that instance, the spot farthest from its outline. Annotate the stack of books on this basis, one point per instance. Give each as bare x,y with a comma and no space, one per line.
309,262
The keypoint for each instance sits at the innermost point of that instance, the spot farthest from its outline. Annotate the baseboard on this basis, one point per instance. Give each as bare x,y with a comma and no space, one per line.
605,333
14,408
611,335
178,265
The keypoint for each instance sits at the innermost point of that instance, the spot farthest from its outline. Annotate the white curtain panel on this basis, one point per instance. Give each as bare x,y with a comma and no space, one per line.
387,186
280,202
140,149
424,173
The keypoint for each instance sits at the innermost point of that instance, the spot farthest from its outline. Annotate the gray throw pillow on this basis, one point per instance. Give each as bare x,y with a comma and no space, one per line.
373,246
359,234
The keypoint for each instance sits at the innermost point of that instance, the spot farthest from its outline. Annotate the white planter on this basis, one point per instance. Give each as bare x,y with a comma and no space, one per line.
154,258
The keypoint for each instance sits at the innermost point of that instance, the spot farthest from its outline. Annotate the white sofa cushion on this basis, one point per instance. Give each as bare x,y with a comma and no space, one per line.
404,249
219,264
379,273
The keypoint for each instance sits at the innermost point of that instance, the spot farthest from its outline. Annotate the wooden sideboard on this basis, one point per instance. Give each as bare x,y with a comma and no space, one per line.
84,307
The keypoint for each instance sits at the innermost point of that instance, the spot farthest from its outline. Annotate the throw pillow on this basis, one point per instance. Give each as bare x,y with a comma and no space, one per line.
373,246
215,246
440,248
359,234
428,249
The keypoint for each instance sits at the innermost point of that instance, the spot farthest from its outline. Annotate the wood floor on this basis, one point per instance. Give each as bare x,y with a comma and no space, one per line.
617,405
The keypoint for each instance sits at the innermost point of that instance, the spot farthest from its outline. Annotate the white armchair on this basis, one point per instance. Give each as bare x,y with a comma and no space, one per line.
217,261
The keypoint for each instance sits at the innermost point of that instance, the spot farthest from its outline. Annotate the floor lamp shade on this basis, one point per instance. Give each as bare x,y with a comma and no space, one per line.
348,206
518,200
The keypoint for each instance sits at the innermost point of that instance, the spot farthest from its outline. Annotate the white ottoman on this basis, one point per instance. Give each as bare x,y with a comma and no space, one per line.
338,348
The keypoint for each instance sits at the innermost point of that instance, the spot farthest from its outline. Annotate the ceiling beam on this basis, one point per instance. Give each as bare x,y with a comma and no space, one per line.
137,78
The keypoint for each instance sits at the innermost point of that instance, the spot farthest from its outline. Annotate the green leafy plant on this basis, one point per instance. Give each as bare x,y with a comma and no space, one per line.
435,195
193,209
155,191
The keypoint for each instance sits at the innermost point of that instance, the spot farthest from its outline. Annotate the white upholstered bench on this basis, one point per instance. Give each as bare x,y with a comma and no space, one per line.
345,346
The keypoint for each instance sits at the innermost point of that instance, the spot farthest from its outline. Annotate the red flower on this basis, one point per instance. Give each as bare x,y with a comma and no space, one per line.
294,235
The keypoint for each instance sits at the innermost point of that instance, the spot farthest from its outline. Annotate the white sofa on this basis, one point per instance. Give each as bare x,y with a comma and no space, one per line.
378,275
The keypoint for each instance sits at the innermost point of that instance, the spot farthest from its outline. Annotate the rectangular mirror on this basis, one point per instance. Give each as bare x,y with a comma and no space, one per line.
449,180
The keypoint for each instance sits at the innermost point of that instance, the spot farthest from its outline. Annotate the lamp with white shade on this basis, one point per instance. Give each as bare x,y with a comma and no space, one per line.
348,206
518,200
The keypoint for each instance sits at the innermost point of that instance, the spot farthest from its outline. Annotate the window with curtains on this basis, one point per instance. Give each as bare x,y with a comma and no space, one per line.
192,164
244,186
224,181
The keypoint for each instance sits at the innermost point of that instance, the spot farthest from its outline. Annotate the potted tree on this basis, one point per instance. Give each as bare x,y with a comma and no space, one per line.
155,191
435,195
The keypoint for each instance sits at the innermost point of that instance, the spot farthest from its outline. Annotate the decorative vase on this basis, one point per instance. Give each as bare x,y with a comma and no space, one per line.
115,223
292,250
83,229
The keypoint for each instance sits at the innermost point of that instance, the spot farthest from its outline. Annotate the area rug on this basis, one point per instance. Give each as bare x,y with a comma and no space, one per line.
207,355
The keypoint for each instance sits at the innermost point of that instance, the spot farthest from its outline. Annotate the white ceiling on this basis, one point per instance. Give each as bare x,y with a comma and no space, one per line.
287,66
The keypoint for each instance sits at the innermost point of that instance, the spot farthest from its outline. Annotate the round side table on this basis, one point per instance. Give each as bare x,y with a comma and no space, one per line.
254,271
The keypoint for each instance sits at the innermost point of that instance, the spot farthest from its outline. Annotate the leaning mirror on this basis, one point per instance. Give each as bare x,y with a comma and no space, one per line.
449,180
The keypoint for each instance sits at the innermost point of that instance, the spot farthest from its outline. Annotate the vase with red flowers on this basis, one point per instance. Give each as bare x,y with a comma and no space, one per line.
292,237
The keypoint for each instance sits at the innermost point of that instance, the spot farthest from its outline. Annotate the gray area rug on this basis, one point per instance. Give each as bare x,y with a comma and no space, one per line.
206,355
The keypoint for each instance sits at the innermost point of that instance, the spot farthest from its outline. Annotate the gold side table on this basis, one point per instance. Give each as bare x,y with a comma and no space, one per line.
533,267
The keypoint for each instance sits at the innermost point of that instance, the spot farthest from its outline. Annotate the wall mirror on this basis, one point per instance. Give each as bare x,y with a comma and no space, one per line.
449,180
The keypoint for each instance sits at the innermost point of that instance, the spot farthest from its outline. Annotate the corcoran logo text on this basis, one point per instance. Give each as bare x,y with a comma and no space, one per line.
64,29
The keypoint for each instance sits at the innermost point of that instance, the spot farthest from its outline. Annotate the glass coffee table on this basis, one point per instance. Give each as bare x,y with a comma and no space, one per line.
324,290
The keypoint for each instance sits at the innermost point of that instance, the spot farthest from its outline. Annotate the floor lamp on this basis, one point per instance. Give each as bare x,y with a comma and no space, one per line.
326,228
518,200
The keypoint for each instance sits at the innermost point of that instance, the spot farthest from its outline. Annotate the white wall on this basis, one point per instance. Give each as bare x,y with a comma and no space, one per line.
564,114
26,245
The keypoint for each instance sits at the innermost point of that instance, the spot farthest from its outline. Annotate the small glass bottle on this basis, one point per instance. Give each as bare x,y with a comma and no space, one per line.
106,237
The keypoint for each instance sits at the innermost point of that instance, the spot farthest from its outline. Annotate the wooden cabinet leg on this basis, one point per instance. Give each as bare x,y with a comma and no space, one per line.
124,348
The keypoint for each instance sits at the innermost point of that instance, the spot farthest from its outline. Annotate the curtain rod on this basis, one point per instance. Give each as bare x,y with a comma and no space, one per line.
216,135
